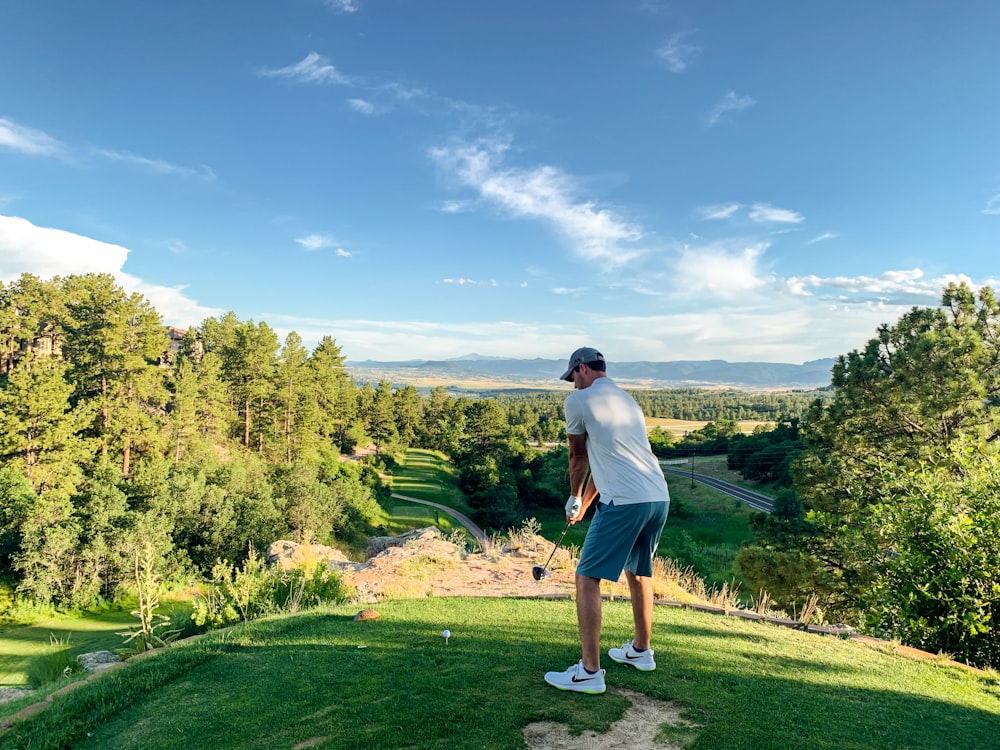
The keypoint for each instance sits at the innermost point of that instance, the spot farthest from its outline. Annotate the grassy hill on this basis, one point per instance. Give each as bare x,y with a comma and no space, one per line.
321,680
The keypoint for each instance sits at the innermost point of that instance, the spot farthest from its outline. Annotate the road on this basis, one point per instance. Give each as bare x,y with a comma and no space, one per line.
463,519
755,500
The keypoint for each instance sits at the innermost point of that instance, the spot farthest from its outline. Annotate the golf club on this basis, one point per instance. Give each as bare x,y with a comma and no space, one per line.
538,572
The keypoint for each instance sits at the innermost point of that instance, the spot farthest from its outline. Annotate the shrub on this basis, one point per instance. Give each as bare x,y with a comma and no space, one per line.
256,590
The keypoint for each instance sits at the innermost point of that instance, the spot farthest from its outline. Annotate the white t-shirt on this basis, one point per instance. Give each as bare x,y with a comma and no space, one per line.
621,461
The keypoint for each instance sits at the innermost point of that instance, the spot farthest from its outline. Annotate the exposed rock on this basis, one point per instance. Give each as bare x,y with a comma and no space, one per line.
422,563
98,660
288,555
378,544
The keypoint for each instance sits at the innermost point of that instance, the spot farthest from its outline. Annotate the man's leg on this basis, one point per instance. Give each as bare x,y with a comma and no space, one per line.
588,616
641,590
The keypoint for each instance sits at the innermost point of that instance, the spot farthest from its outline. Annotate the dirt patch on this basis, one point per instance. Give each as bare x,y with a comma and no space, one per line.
436,567
638,729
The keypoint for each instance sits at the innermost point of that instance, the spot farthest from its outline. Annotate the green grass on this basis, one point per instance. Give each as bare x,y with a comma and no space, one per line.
428,475
27,649
320,680
404,516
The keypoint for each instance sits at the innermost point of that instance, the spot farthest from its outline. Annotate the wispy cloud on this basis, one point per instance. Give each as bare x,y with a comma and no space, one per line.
993,206
469,282
454,207
47,252
729,103
27,140
765,213
544,193
342,6
342,253
157,166
823,238
721,211
676,53
313,242
313,68
361,105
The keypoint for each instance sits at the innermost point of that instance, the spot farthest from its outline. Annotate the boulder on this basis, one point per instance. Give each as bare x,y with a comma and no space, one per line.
379,544
288,555
97,661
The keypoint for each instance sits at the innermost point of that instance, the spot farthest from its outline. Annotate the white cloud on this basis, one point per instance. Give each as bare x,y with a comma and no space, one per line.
764,213
316,241
676,53
823,237
362,106
28,141
26,248
993,206
454,207
313,68
342,6
718,271
470,282
721,211
156,166
544,193
343,253
421,339
729,103
47,252
891,283
761,320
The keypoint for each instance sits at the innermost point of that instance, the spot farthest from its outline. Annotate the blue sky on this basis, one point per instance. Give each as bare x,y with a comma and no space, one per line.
749,181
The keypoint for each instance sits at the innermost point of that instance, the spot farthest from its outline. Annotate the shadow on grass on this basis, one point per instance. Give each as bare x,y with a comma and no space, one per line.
323,679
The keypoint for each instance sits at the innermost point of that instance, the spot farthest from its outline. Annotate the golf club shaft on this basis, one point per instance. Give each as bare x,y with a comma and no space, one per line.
565,529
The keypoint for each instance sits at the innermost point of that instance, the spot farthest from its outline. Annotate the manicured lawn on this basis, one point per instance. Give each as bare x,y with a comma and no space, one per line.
23,645
428,475
321,680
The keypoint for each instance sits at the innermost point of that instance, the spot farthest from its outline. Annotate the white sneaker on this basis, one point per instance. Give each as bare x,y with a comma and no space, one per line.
641,660
577,679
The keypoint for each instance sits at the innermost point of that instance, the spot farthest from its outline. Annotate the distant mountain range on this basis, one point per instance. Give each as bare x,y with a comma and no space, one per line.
476,372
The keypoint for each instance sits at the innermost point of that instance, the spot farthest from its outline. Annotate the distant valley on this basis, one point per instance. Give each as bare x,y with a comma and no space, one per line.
475,372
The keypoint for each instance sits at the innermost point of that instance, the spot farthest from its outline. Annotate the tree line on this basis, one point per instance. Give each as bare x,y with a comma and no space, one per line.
112,439
887,502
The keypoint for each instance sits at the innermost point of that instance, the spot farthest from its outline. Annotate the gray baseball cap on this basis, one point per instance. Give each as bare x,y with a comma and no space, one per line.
582,356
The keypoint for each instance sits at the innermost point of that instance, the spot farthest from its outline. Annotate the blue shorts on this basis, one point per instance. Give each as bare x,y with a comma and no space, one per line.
622,537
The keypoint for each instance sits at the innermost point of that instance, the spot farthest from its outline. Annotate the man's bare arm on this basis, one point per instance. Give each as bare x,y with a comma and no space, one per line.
579,463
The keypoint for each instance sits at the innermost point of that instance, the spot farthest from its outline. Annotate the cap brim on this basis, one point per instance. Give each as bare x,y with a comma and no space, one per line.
568,375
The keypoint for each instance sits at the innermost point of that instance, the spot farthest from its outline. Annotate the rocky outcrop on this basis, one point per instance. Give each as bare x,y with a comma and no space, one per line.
379,544
288,555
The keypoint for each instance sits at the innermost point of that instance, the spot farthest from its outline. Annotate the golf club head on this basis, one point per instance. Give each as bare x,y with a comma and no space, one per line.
538,572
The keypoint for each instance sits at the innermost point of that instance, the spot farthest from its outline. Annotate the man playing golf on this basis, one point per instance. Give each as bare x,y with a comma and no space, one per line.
607,436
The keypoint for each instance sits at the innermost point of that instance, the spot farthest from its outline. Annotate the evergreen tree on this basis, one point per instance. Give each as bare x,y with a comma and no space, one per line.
39,428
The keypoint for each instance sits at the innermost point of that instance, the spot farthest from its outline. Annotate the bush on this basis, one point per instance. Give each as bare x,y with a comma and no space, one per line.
256,590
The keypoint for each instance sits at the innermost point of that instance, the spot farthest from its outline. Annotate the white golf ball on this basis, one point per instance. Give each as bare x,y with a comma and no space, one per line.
446,633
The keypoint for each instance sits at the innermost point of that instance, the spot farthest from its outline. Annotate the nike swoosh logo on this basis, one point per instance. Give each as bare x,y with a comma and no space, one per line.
591,677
